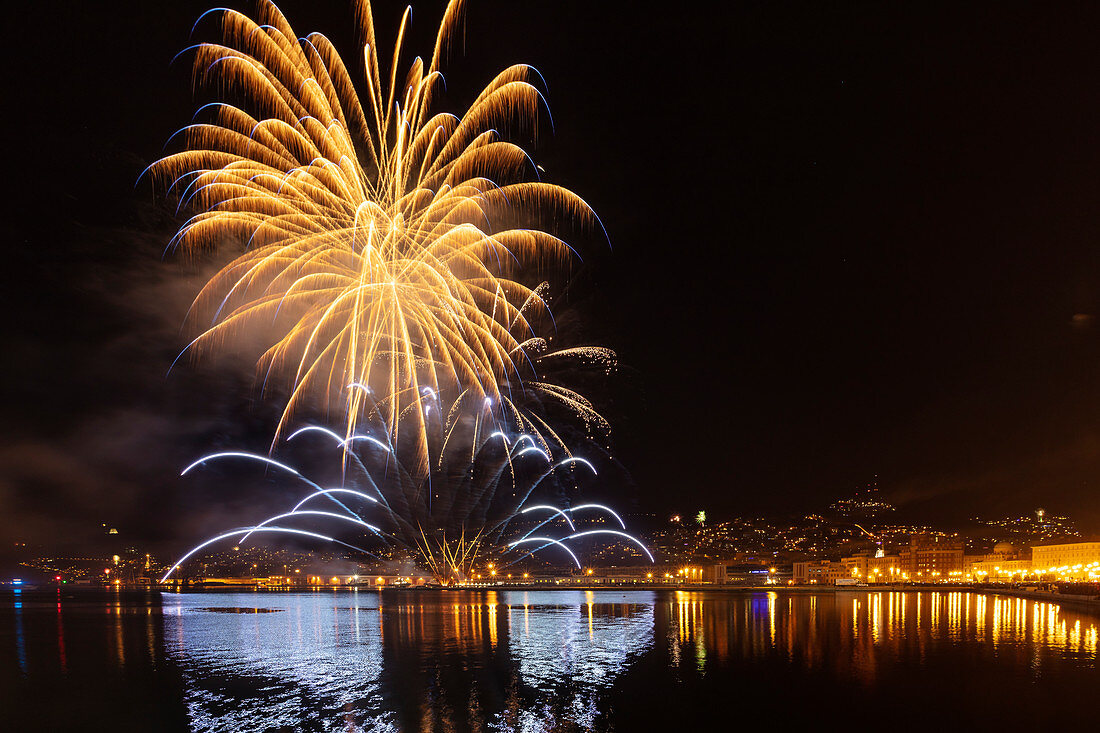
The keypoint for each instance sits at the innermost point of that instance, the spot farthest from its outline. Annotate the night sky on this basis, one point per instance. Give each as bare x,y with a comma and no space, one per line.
848,240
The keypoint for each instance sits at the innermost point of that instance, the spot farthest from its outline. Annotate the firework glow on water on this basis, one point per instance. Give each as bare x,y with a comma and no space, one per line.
392,266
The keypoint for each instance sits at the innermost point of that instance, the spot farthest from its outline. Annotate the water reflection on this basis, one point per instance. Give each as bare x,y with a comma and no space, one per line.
92,653
855,633
573,653
404,661
20,638
304,662
540,661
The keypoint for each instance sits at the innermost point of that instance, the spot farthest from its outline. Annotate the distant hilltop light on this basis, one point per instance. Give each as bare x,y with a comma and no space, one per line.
112,530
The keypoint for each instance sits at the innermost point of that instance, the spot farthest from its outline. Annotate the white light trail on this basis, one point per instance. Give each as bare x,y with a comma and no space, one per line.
540,451
576,459
553,509
633,539
551,540
235,454
312,512
360,494
338,438
607,509
370,438
255,529
522,438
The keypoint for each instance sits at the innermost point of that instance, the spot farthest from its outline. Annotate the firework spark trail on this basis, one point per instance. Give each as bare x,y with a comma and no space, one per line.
360,494
571,510
387,243
344,443
389,254
548,541
241,454
477,501
581,507
261,459
561,541
309,512
632,538
601,507
553,509
328,492
244,530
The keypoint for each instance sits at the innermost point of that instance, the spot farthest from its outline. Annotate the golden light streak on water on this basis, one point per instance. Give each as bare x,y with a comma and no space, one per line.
120,646
996,634
491,609
588,603
771,617
876,616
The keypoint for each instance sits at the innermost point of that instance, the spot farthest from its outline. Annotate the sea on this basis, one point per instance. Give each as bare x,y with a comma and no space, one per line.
545,660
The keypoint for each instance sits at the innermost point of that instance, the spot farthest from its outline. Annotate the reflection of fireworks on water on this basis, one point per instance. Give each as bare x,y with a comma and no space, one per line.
386,243
484,478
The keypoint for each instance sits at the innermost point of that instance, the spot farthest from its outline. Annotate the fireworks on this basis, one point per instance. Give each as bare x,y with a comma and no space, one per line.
386,244
487,486
391,267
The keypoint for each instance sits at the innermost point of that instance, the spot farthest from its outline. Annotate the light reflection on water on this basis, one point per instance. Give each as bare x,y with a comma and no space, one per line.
542,661
311,656
851,631
511,660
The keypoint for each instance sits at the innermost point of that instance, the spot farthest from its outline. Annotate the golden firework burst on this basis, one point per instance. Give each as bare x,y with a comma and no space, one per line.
386,244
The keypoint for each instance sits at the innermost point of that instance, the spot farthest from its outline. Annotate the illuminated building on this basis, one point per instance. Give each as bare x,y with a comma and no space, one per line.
1075,560
932,558
1005,562
709,573
822,572
718,573
878,569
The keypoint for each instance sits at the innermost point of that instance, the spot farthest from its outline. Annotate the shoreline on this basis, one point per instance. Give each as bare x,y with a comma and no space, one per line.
1089,604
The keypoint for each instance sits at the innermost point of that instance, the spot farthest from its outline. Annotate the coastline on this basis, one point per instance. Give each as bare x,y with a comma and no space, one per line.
152,595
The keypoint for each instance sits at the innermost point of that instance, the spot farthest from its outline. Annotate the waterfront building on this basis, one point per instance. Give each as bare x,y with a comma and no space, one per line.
1074,560
932,558
998,569
862,568
880,568
819,572
1004,563
717,573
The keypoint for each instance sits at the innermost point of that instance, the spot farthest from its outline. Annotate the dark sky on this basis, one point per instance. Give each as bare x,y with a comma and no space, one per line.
849,240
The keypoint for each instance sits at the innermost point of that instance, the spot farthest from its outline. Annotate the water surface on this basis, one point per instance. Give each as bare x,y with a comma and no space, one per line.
545,660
